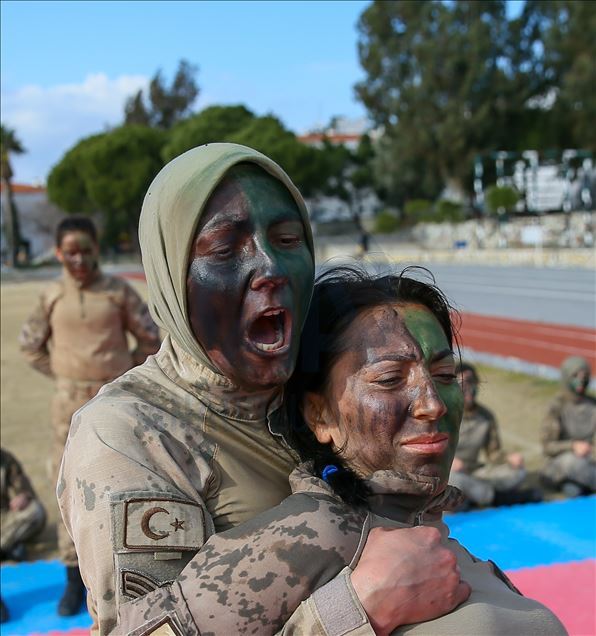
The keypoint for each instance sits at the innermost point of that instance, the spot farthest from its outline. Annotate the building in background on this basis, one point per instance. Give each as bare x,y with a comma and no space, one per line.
38,219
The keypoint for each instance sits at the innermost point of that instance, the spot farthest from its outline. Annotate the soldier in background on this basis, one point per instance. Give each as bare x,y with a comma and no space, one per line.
77,335
569,431
22,514
495,481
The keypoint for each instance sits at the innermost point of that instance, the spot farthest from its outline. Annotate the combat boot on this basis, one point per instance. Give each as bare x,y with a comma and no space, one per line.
74,594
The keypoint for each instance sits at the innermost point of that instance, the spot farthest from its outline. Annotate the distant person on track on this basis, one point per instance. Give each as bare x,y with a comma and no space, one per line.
22,514
569,433
78,335
496,480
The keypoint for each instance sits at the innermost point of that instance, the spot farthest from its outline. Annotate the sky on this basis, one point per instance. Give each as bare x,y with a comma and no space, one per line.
67,67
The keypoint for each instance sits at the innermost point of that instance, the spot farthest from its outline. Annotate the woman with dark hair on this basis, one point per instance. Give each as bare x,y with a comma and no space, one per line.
375,413
189,443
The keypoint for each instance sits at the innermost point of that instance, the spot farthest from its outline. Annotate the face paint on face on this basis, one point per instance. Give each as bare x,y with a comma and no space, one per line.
393,402
469,388
578,382
78,252
250,279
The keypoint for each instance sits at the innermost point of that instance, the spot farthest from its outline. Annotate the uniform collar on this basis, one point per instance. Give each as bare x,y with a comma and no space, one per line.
404,498
72,282
219,393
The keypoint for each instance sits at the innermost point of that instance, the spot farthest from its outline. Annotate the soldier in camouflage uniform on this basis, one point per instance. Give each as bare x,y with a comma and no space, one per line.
190,443
384,382
77,335
23,515
496,480
569,432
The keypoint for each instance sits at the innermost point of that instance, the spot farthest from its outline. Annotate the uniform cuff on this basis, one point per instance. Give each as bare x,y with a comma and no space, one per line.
339,608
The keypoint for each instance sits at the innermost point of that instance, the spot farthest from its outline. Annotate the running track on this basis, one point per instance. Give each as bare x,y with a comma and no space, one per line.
534,342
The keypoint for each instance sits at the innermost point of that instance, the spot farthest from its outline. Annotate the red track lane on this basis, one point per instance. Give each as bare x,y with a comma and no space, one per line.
535,342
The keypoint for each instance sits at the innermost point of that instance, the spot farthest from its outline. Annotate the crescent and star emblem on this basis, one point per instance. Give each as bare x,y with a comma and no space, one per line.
145,524
177,524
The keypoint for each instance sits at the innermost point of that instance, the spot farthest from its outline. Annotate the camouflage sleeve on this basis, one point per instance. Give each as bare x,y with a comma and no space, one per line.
117,499
138,322
494,452
17,481
552,444
254,578
34,337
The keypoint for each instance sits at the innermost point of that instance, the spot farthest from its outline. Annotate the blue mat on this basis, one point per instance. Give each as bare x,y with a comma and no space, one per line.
533,534
32,591
514,537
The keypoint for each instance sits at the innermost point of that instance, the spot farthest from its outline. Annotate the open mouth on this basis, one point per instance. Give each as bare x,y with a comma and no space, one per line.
270,332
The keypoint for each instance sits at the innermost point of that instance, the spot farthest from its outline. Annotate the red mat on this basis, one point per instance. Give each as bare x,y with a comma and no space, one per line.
568,589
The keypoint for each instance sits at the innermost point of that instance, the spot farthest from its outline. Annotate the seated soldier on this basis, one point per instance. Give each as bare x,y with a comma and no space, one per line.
22,514
496,481
568,434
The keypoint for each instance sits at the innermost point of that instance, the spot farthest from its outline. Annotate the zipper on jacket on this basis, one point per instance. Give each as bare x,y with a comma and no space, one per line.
419,518
82,303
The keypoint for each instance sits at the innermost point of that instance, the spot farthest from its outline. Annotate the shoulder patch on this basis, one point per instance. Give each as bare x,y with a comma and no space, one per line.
136,584
157,524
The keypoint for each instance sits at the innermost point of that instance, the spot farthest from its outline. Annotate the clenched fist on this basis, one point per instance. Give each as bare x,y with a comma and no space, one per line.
406,576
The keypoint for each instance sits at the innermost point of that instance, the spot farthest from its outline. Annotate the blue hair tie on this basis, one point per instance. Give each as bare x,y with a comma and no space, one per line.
329,470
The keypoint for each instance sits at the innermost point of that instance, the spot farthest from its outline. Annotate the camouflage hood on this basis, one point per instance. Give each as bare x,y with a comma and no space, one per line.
571,366
170,215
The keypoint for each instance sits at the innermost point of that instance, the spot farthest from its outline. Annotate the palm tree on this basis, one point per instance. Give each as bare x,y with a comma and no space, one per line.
10,144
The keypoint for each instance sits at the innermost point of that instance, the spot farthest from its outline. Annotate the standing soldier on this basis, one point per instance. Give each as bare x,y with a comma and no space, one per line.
568,434
78,335
494,482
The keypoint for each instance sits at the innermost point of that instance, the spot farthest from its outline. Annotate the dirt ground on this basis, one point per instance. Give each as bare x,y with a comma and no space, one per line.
518,401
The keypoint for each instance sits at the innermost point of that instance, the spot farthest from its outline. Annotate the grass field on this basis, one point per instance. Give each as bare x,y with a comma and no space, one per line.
518,401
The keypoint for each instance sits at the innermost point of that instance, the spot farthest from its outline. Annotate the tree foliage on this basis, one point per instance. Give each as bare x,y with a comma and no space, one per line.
213,124
446,81
10,145
304,164
109,173
501,199
164,105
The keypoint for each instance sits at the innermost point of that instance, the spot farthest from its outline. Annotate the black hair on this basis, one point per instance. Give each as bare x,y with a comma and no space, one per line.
461,367
75,224
340,294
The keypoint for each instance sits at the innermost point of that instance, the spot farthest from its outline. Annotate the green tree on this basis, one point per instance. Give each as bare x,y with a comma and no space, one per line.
10,145
304,165
500,199
213,124
109,174
559,36
440,86
349,176
164,106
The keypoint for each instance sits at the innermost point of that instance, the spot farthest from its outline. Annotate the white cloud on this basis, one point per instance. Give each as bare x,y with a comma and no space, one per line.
49,120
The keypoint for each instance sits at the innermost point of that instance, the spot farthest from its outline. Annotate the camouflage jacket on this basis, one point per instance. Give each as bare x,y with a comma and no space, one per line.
13,480
570,418
479,434
164,456
261,572
80,333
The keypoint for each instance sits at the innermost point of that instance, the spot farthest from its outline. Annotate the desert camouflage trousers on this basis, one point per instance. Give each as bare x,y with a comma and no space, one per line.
568,467
69,397
481,485
19,526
